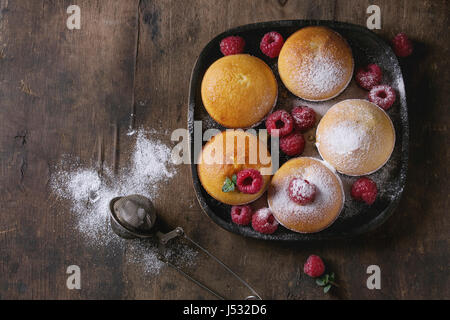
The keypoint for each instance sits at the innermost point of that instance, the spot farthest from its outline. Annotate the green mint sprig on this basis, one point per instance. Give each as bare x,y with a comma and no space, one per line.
326,281
230,184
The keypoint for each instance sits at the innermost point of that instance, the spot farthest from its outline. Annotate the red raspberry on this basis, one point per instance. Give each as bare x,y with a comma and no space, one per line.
263,221
364,189
304,117
249,181
369,76
403,47
271,44
232,45
279,123
293,144
314,266
383,96
301,191
241,215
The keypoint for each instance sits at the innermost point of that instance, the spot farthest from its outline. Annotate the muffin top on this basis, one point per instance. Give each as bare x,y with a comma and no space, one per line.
316,63
314,216
356,137
225,155
238,91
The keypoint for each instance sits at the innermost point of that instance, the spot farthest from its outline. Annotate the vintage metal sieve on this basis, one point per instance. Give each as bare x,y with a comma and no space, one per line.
135,217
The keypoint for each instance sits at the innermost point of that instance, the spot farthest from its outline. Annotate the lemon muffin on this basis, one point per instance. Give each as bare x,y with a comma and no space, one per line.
356,137
305,195
316,63
234,167
239,90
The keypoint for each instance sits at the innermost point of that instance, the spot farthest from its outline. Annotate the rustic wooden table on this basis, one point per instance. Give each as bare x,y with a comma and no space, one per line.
60,89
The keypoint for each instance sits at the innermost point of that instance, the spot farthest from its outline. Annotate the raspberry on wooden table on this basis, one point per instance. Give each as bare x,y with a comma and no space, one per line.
403,47
314,266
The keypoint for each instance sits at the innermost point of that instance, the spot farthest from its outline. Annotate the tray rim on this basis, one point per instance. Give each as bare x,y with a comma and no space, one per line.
356,231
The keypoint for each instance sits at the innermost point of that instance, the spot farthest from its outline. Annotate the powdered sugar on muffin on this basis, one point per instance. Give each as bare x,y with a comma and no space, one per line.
327,197
356,137
323,73
347,137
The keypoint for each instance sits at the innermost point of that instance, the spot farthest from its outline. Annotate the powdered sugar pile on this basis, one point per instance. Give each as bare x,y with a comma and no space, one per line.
89,195
150,161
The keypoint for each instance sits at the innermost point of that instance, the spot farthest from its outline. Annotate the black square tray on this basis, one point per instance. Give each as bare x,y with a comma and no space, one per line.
356,218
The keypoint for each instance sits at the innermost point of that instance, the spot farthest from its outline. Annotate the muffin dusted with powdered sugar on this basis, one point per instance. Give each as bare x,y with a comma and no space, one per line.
305,195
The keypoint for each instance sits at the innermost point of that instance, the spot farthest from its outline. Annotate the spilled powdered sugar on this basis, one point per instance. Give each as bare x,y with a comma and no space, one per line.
89,194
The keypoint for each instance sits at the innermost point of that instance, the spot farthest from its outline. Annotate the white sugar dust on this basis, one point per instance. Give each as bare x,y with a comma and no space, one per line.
89,194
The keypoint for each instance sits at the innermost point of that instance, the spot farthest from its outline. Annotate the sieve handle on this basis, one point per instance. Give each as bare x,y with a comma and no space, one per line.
164,238
255,296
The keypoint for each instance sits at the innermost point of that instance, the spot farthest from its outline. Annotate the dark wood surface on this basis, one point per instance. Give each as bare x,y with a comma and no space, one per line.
60,89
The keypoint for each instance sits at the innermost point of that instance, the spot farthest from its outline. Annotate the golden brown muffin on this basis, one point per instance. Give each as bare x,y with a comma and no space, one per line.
316,63
312,217
238,91
225,155
356,137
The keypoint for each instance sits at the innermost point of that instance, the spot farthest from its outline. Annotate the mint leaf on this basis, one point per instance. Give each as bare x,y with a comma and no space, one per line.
228,185
327,288
320,282
332,276
234,179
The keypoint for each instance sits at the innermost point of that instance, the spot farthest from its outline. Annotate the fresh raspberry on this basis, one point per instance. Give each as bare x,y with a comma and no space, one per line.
271,44
369,76
293,144
383,96
302,191
403,47
249,181
304,118
263,221
314,266
279,123
364,189
241,215
232,45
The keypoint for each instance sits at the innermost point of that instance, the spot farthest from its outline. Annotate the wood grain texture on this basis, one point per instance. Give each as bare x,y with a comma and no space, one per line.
61,89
